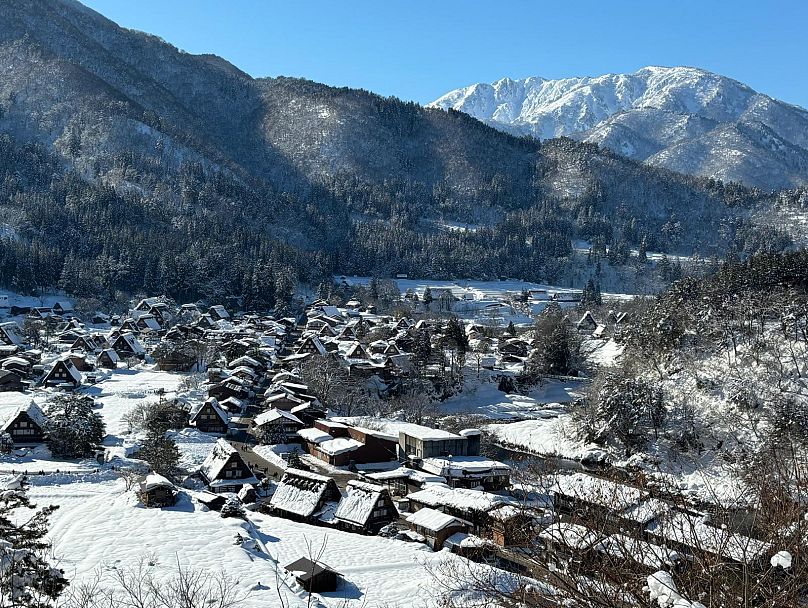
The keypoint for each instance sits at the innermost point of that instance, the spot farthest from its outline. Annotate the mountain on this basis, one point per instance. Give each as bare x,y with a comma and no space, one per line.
129,165
680,118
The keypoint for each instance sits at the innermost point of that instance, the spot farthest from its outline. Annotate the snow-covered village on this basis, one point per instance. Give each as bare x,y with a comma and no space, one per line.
370,305
355,456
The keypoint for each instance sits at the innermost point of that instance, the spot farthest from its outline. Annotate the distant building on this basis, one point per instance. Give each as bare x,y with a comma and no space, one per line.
416,441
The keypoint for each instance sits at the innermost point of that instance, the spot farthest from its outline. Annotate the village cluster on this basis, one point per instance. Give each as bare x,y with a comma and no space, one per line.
279,450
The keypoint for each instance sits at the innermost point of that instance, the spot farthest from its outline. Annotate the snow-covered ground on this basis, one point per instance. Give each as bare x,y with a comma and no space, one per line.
123,390
100,526
486,400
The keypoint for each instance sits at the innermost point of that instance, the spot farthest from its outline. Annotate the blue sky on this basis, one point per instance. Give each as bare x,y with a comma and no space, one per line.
420,49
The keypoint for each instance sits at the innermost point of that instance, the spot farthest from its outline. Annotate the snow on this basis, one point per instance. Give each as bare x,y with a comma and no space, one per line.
357,505
299,492
100,526
435,495
431,520
194,446
340,445
487,400
550,436
123,390
154,481
662,589
314,435
781,559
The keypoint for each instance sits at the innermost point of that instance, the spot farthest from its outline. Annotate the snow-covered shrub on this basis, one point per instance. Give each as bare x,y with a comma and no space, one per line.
233,508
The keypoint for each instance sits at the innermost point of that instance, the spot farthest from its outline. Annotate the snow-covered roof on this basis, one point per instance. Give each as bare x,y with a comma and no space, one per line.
357,505
34,412
424,433
436,495
598,491
70,367
464,466
112,354
221,311
693,531
432,520
299,492
314,435
214,404
154,481
132,342
150,322
569,535
244,360
340,445
275,414
217,459
12,331
645,553
404,472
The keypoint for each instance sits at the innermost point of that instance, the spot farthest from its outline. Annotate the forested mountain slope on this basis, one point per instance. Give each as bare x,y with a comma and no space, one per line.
128,159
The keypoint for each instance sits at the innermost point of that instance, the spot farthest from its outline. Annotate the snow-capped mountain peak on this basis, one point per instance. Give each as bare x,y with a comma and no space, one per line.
684,118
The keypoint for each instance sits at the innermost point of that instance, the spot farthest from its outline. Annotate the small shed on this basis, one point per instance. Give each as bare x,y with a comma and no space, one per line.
157,491
313,576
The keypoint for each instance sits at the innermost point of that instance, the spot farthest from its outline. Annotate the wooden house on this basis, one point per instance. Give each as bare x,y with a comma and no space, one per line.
219,313
63,373
80,362
434,526
302,495
84,343
314,576
587,323
148,323
511,526
10,382
10,334
177,360
27,425
62,308
356,351
19,365
209,417
157,491
276,426
107,358
224,470
365,508
127,345
232,386
311,345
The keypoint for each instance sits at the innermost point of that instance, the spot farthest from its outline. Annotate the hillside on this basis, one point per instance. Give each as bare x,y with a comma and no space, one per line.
680,118
129,159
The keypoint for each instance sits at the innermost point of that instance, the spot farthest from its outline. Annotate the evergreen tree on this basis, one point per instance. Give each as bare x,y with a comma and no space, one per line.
428,297
27,578
74,429
161,453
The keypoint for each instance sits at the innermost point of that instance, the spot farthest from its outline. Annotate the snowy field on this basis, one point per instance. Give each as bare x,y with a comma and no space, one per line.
486,400
100,526
123,390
